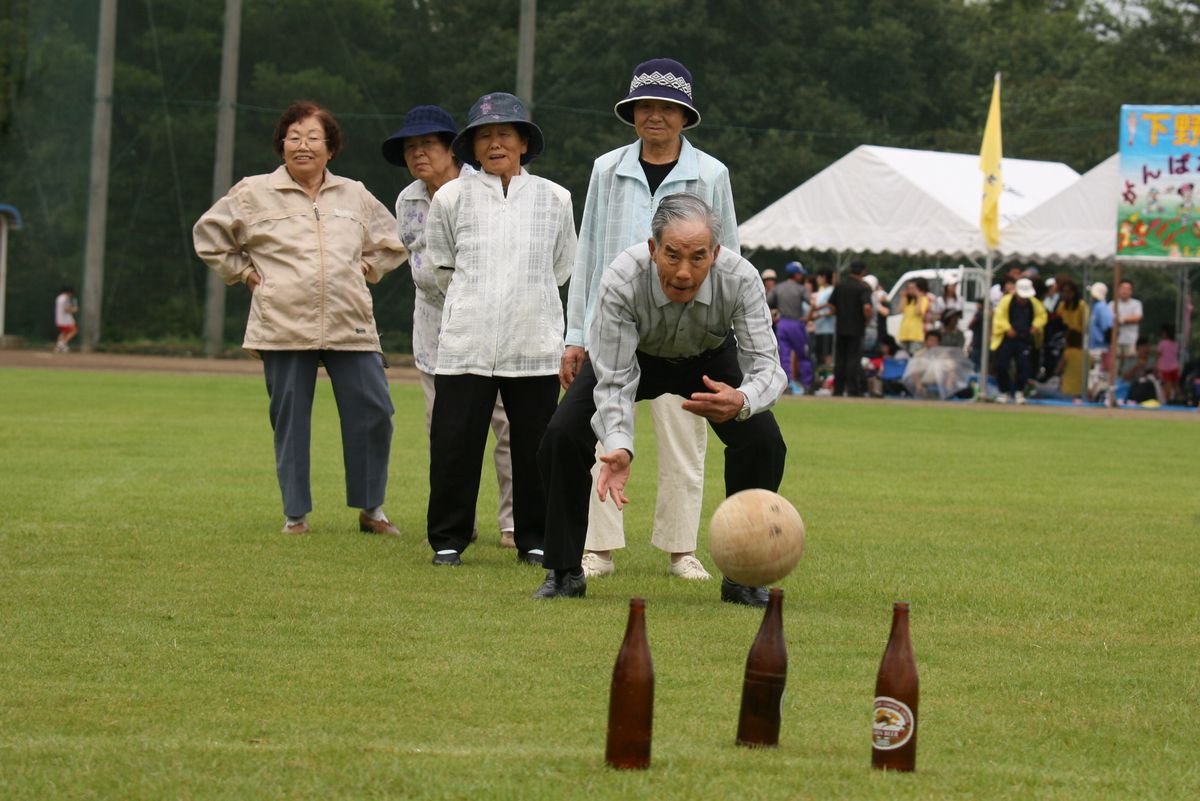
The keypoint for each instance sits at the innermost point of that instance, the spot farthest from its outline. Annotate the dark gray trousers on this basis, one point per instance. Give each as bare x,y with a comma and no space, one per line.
365,409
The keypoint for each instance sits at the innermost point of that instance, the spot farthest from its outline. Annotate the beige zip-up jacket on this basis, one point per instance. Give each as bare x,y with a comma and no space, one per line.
313,258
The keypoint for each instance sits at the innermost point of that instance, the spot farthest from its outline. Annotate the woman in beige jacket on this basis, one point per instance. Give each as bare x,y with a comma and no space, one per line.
305,242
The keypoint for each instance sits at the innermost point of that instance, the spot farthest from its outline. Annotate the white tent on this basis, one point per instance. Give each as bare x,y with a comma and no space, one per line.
1079,224
890,200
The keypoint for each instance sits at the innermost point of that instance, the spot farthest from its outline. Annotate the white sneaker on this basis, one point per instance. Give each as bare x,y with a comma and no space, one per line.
1019,398
1002,398
595,565
689,567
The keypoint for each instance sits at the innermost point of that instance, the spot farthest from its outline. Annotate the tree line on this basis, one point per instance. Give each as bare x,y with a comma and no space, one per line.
785,88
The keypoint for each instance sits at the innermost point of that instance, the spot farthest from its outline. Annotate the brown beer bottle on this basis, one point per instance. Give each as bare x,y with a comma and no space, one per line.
894,718
631,697
766,675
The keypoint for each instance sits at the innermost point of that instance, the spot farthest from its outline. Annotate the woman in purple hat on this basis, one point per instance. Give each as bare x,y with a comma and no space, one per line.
423,146
626,187
502,242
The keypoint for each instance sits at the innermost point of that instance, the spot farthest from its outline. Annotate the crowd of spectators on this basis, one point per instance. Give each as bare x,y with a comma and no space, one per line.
1049,338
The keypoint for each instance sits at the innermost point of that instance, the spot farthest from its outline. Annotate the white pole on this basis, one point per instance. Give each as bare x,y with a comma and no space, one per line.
526,36
214,304
93,256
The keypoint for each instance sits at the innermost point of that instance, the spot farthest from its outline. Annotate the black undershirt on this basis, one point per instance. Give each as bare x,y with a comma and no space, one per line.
656,173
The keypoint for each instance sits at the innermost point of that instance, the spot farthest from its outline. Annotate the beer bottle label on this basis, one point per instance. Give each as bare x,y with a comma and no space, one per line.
891,724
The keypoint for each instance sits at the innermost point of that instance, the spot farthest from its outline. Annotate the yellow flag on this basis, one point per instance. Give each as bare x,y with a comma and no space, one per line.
989,163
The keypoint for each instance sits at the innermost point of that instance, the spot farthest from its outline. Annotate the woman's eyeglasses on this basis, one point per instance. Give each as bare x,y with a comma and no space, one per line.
312,140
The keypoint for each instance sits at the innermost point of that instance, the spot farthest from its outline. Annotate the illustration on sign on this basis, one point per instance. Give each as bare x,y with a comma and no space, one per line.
1157,214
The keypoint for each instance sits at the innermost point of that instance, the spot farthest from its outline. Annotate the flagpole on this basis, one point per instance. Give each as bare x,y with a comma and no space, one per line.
985,333
991,154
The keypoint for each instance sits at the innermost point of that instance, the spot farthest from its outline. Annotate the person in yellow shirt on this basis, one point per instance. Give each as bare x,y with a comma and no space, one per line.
1070,367
914,321
1019,318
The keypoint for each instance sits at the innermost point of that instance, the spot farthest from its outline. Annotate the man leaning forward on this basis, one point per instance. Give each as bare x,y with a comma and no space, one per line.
676,315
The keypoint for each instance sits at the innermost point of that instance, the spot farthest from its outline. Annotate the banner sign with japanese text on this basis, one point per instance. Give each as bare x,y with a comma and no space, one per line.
1158,216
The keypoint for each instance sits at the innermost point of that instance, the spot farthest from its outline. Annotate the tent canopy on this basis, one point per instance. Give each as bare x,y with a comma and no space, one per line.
1077,225
892,200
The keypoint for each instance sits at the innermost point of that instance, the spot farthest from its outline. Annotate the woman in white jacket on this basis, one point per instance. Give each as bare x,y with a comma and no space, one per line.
503,242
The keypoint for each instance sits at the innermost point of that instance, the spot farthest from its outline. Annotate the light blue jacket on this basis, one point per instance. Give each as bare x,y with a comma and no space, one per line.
1102,320
617,215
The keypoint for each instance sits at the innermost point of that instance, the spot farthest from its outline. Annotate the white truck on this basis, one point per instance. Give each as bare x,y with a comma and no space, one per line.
972,284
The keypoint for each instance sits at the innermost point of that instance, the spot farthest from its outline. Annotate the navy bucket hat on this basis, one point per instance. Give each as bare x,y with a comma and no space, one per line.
660,79
493,108
419,121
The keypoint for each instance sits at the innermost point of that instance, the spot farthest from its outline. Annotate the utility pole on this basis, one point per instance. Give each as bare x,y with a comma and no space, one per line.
93,255
526,32
214,303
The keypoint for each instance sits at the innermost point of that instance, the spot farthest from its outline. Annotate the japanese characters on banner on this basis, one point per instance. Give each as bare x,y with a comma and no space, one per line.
1158,216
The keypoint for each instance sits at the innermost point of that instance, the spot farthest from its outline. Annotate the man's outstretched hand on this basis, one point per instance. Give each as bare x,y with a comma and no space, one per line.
718,406
614,474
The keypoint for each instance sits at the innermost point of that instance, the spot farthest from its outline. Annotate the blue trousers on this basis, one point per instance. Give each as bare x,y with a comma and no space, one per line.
365,409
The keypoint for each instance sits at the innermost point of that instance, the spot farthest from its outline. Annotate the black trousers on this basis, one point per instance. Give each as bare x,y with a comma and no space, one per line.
847,366
754,449
1017,349
462,414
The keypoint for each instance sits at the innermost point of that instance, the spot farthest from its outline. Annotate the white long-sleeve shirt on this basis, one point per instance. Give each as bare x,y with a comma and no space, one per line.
500,260
412,207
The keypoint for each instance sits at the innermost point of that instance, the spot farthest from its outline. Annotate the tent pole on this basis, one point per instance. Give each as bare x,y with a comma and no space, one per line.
1086,298
1185,320
985,331
1114,356
1181,313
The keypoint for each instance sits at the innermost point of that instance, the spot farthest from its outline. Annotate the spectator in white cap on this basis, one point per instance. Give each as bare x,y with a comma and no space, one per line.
625,189
1018,320
1051,298
770,279
1100,326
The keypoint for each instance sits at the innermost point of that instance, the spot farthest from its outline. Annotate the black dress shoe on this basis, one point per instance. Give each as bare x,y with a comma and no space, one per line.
530,558
734,593
452,559
561,584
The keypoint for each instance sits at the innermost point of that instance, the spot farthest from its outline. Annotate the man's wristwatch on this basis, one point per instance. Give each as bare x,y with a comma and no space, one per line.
744,414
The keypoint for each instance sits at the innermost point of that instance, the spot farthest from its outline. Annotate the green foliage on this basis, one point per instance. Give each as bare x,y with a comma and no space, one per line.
163,640
786,87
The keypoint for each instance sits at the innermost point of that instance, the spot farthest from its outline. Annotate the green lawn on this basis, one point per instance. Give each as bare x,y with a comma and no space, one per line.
160,639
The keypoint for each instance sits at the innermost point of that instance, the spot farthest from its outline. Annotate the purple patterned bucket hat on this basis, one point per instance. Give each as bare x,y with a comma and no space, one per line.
493,108
660,79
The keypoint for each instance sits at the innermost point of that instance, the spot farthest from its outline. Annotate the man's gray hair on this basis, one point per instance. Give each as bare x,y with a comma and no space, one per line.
684,206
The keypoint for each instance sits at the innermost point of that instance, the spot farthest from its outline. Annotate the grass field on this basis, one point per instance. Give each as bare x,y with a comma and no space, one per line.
160,639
